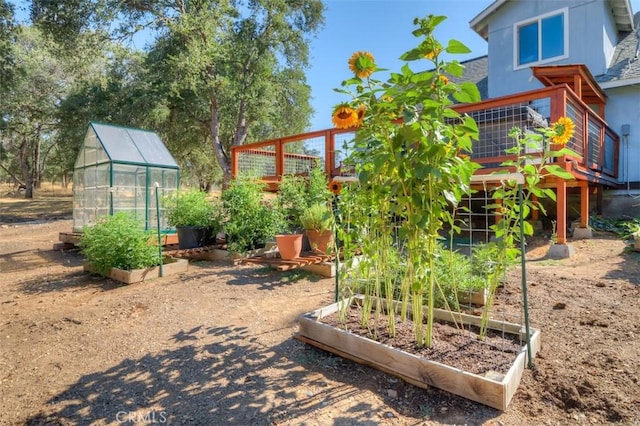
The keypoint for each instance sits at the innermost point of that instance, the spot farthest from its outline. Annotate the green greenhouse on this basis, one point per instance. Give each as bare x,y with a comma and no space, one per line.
118,170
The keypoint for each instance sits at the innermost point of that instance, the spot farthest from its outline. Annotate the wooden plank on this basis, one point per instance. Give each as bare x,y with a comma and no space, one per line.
70,237
495,390
170,267
324,269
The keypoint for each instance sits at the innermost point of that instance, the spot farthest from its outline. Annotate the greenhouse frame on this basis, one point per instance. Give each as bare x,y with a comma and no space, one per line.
118,170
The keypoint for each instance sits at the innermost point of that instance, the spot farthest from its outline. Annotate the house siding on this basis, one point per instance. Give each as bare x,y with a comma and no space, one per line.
590,24
623,107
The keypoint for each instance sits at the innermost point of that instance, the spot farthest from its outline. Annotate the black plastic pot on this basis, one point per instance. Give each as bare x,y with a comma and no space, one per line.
193,236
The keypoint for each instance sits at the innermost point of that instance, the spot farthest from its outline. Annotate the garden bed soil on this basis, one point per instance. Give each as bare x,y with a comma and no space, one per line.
215,346
457,347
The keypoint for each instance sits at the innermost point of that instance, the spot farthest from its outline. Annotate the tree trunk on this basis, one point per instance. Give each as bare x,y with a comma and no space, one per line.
214,128
27,173
14,177
37,168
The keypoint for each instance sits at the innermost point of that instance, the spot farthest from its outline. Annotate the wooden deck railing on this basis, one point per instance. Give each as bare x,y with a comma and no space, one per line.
595,144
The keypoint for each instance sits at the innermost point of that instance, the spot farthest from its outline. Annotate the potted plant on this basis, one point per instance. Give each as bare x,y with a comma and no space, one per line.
194,217
289,204
118,247
251,221
317,221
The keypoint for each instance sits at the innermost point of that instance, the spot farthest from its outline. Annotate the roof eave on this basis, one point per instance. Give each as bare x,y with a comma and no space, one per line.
621,10
480,23
620,83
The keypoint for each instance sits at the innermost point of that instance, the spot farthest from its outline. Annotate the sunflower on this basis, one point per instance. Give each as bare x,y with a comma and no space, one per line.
344,117
335,186
360,112
362,64
432,54
442,79
562,131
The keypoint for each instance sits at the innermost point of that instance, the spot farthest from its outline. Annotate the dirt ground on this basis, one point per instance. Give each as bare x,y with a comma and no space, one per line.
214,345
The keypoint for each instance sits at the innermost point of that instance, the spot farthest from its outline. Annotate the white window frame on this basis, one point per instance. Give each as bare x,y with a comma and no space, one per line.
538,20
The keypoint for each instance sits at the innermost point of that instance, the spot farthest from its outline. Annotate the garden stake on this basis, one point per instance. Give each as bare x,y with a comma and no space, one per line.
156,185
523,274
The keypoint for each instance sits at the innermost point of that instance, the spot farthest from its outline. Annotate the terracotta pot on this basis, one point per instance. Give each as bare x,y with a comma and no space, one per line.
289,246
320,240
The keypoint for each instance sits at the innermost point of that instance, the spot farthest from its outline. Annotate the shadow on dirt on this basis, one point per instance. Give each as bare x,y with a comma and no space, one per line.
629,268
234,379
263,277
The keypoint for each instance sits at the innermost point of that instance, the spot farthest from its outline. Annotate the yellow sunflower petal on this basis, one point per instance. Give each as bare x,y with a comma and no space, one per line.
361,113
562,131
344,117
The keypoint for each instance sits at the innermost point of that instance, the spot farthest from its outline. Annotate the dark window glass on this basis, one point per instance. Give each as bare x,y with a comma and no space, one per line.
528,43
553,36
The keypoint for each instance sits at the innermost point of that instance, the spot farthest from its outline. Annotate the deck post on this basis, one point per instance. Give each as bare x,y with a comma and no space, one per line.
583,232
279,158
329,153
561,211
561,250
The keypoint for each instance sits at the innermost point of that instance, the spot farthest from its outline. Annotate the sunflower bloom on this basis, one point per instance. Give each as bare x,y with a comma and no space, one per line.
344,117
335,186
562,131
431,55
442,79
362,64
360,112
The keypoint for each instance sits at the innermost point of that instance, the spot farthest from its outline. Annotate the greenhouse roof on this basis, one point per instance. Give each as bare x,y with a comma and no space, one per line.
134,146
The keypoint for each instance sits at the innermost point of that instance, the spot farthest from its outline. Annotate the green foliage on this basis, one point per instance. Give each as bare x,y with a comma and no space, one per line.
118,241
291,201
192,208
251,222
317,217
623,228
410,171
297,193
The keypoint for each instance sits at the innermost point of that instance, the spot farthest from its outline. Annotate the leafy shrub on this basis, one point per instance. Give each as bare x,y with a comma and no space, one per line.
297,193
118,241
191,208
317,217
251,222
291,201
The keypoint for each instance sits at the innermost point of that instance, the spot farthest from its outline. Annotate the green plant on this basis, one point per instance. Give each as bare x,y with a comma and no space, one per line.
296,193
532,153
251,221
317,217
409,155
291,201
118,241
191,208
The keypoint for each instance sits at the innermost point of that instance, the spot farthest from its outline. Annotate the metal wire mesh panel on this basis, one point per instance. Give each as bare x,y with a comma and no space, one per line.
258,162
343,143
301,156
494,125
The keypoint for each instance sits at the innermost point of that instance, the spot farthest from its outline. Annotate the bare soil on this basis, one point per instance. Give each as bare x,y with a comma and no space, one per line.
215,345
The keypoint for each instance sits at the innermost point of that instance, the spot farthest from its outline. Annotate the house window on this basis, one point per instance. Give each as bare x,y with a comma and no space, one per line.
541,39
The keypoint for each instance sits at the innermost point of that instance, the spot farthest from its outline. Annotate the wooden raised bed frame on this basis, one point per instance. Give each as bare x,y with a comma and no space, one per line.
494,389
170,266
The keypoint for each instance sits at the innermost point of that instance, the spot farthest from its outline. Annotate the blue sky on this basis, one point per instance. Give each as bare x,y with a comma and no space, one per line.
384,29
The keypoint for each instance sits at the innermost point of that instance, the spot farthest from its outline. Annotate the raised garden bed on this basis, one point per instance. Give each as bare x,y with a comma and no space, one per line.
491,387
170,266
